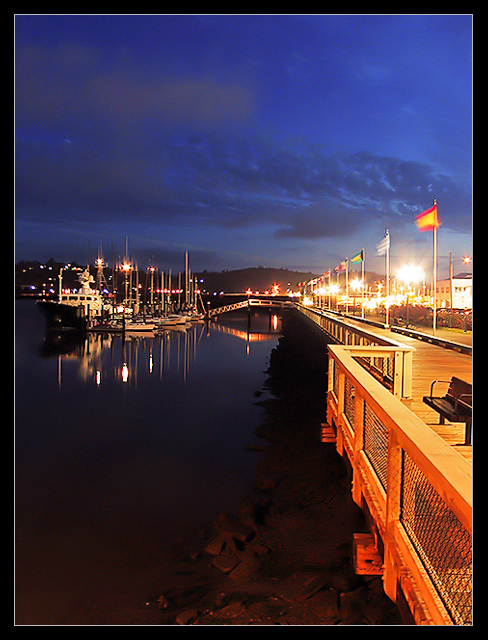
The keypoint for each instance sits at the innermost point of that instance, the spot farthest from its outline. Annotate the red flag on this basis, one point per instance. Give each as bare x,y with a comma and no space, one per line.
428,220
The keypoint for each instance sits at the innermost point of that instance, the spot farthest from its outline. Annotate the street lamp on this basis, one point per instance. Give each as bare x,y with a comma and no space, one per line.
334,290
409,274
356,285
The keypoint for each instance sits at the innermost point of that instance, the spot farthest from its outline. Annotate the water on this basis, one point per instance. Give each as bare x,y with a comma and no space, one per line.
125,451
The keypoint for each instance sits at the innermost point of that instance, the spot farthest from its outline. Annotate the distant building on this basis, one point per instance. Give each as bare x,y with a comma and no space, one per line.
462,292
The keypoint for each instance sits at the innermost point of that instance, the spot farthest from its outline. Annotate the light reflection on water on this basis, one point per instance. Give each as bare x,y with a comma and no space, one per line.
125,450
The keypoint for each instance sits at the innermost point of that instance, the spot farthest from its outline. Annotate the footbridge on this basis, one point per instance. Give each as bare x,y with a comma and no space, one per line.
411,475
268,303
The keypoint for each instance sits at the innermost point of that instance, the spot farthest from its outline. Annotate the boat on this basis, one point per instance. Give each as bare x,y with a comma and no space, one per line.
108,326
134,325
73,310
171,321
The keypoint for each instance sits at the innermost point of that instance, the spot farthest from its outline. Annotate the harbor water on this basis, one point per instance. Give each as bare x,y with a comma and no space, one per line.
126,448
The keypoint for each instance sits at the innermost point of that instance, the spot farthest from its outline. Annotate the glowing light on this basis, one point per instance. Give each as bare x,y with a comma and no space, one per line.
410,274
125,372
356,285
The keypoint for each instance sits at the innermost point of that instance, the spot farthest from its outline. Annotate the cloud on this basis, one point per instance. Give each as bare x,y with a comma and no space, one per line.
226,182
95,139
70,80
320,220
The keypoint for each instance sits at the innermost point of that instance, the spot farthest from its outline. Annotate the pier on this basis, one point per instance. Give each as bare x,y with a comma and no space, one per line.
411,475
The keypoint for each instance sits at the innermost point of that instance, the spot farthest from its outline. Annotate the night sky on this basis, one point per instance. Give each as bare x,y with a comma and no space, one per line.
246,140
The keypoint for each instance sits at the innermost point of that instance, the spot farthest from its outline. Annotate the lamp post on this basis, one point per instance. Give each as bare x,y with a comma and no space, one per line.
334,290
355,286
409,275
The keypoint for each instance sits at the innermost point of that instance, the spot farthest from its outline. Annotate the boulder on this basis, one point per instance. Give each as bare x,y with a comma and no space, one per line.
239,530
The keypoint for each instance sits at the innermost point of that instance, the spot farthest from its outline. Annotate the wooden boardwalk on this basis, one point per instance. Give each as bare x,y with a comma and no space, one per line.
431,362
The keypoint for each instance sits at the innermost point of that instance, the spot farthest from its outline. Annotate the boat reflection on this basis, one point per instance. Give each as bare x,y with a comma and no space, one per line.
104,358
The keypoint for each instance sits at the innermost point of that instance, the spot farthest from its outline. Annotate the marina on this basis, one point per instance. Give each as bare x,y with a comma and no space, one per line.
128,446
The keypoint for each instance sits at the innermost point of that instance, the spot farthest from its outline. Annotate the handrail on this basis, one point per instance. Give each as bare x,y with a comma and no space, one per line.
252,302
228,307
417,488
390,358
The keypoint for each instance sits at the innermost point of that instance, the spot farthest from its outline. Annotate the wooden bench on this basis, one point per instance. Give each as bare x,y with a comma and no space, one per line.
456,405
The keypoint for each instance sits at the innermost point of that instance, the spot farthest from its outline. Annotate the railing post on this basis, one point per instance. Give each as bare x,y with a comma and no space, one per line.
393,507
340,409
407,374
397,374
358,446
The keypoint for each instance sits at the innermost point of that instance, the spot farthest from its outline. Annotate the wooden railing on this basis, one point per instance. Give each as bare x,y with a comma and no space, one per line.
415,488
389,361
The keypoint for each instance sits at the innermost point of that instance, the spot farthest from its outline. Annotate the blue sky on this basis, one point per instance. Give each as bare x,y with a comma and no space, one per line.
275,140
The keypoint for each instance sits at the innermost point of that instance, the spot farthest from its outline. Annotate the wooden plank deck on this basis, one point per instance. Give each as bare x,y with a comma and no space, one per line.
429,363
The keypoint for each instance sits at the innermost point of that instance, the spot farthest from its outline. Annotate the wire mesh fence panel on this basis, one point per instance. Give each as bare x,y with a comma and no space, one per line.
442,543
375,444
349,402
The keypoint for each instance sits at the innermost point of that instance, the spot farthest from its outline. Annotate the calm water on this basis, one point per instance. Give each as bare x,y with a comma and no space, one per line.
125,451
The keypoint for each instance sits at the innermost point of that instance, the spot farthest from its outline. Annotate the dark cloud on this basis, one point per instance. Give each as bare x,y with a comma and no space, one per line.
96,137
232,183
319,220
72,81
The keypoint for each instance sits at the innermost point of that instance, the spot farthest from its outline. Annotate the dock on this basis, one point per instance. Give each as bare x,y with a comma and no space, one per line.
411,476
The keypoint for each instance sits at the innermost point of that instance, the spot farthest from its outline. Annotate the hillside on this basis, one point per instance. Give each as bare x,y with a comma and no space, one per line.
254,278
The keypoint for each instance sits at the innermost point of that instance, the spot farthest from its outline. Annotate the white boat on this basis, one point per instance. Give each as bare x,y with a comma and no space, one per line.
134,325
171,321
73,309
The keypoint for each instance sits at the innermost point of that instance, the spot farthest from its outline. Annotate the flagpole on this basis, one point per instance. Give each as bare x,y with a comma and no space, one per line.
347,286
362,279
329,291
387,277
434,313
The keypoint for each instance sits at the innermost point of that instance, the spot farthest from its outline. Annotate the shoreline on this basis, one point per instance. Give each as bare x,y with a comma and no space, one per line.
285,558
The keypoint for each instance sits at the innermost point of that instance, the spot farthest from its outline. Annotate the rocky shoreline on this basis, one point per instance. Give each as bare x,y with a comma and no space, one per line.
285,557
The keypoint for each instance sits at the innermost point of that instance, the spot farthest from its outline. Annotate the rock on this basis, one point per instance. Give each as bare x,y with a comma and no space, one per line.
314,585
162,602
216,546
259,549
324,604
231,610
253,512
239,530
186,617
225,563
246,569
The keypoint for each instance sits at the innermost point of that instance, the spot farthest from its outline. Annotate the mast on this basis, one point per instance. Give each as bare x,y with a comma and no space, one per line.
434,270
186,279
362,281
